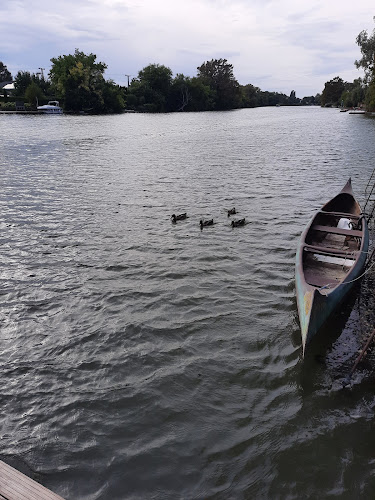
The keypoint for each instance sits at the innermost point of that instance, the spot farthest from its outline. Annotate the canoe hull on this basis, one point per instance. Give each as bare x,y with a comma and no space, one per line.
316,303
314,307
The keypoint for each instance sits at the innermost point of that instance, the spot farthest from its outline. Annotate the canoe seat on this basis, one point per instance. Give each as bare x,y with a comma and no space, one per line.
335,252
338,230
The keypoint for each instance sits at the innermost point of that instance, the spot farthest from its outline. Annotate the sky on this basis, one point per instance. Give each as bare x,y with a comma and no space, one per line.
278,46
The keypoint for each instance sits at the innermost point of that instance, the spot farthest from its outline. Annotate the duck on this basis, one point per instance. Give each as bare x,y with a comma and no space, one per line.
238,222
205,223
232,211
175,217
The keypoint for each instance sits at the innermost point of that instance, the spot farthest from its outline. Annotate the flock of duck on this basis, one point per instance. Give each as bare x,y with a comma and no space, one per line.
210,222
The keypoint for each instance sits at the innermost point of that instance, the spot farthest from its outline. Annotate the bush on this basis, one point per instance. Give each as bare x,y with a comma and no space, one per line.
7,106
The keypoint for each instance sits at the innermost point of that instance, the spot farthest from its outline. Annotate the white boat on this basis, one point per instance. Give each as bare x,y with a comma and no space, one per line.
52,108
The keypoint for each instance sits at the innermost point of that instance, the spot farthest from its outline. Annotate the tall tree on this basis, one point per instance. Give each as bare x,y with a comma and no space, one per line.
292,98
157,76
151,90
370,97
249,95
332,91
79,81
5,75
24,78
354,93
367,62
22,81
190,94
180,95
218,74
34,94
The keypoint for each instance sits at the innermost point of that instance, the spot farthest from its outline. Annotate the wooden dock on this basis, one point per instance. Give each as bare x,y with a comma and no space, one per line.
16,486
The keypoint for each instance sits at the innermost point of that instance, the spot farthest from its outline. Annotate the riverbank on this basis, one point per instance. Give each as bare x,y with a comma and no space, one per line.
36,112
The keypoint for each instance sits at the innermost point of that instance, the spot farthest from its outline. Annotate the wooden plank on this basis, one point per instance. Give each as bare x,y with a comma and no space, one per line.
338,230
16,486
335,252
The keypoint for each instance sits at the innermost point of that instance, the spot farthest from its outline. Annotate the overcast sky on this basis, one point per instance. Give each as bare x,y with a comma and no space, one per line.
280,45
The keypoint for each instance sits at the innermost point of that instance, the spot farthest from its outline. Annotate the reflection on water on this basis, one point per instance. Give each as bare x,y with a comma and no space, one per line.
142,358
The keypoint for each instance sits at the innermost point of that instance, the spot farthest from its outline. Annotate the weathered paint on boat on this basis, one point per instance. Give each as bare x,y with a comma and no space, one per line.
316,303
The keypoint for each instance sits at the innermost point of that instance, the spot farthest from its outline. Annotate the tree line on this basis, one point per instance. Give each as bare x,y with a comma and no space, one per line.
362,91
77,81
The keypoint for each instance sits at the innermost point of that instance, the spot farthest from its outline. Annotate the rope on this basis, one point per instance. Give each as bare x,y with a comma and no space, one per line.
365,272
362,251
328,285
346,256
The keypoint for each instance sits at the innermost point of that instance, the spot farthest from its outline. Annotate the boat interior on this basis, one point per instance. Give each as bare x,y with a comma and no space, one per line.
331,248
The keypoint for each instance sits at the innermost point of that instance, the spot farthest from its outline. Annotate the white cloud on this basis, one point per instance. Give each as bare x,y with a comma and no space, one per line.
276,45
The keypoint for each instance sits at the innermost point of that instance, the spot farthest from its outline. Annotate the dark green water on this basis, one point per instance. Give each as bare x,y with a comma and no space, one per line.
142,359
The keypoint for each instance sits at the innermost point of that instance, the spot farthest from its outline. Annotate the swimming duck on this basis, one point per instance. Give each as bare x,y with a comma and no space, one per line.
232,211
205,223
175,217
238,223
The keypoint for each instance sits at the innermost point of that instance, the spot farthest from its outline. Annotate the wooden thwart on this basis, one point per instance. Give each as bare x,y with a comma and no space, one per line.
16,486
334,252
337,230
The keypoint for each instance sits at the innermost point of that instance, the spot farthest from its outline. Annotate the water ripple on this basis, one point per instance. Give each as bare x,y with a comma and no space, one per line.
145,359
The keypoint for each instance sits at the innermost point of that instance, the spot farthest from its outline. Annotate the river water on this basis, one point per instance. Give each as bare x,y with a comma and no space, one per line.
144,359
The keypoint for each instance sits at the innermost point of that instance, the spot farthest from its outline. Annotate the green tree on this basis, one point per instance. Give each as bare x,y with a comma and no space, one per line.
293,99
202,96
33,94
21,82
113,97
249,95
24,78
218,74
151,90
5,75
370,97
43,84
190,94
367,62
332,92
308,100
143,98
158,77
354,93
79,81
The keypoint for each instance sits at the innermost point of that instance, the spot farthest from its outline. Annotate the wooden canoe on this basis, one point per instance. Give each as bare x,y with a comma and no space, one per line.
331,255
